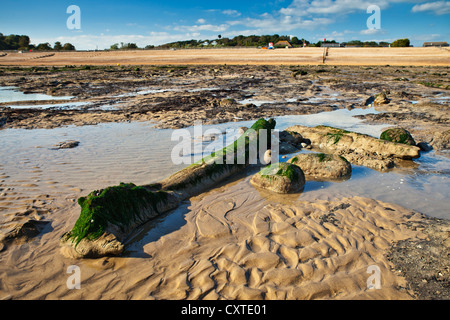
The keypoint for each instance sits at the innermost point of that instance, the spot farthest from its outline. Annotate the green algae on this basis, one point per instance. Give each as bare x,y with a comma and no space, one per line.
398,135
336,133
119,205
282,169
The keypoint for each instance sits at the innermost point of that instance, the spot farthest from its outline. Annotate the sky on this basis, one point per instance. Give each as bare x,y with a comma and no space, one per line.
103,23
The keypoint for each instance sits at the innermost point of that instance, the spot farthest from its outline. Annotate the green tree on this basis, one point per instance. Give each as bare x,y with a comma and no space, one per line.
401,43
58,46
68,47
24,42
44,47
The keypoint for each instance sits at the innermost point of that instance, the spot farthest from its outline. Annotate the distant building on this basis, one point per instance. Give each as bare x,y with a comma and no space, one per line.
283,44
435,44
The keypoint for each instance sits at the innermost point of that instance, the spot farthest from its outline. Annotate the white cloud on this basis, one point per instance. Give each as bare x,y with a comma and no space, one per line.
372,31
102,41
233,13
201,21
438,7
202,27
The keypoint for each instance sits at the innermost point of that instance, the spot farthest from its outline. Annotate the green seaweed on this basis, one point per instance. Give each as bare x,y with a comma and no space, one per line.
337,134
120,205
324,157
282,170
397,135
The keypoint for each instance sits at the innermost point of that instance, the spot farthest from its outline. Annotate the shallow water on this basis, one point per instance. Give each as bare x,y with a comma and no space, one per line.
68,105
136,152
12,94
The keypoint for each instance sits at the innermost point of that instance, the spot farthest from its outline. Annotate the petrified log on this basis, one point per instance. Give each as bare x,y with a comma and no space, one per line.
357,148
108,216
335,139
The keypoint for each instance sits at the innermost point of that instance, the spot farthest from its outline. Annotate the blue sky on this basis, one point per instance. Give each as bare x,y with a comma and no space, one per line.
156,22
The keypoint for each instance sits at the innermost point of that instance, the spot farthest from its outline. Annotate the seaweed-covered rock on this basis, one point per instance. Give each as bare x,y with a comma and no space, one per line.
108,216
398,135
359,149
341,141
322,166
280,178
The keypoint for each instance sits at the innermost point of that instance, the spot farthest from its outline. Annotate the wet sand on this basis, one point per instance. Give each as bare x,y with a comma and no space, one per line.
234,242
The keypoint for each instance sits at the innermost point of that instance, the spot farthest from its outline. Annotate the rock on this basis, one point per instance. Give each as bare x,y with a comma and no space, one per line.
399,135
242,130
66,145
441,140
227,102
381,98
359,149
425,146
290,142
335,140
322,166
25,231
291,137
268,156
280,178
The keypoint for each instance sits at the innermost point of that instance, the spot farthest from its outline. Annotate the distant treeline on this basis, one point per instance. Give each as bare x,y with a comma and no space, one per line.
22,42
256,41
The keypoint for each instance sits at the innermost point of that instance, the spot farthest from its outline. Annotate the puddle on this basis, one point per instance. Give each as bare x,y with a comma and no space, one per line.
153,91
12,94
68,105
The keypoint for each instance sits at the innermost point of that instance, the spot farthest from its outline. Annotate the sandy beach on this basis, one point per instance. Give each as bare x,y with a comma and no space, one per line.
239,56
333,240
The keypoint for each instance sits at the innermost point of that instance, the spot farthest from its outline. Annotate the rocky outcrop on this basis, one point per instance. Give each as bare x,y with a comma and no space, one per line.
108,216
322,166
359,149
280,178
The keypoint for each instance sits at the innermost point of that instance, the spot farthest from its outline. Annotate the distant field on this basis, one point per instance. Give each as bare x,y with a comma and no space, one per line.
336,56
